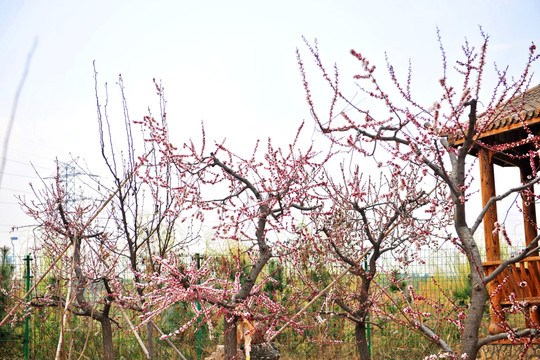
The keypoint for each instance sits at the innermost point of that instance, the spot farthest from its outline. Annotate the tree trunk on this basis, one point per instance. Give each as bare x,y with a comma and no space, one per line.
230,341
150,335
363,311
469,340
362,341
106,331
469,337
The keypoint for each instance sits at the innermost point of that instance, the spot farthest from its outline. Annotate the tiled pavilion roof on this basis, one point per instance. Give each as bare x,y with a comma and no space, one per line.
530,113
509,129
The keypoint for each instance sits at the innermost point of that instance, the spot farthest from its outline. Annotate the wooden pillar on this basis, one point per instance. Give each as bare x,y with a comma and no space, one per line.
529,208
529,224
487,178
493,251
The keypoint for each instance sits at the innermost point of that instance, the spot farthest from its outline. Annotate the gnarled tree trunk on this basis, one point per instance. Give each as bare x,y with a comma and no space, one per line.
106,332
230,340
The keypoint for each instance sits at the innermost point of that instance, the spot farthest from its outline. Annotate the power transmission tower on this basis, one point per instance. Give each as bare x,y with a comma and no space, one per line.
69,175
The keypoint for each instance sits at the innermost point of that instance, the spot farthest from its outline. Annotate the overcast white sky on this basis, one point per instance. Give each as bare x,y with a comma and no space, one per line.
229,63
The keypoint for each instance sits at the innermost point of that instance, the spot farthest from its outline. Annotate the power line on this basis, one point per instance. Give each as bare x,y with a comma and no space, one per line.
38,143
20,175
16,190
25,163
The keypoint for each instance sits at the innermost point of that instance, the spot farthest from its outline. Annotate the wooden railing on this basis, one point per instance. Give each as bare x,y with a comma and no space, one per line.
521,278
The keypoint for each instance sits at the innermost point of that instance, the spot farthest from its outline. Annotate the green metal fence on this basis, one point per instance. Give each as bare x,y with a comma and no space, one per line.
442,275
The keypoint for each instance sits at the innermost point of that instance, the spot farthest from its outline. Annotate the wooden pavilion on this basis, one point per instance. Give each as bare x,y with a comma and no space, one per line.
511,141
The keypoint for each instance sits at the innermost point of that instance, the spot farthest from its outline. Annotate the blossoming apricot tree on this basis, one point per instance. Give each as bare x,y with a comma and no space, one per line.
395,127
256,202
377,213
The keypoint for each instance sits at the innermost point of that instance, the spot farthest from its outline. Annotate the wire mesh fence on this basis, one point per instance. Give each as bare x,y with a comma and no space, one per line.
441,276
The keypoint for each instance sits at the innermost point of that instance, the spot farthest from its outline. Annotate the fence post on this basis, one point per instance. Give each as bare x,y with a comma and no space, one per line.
368,330
27,278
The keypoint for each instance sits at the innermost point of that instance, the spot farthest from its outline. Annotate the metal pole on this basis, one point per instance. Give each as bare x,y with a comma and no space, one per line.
199,332
368,327
26,325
